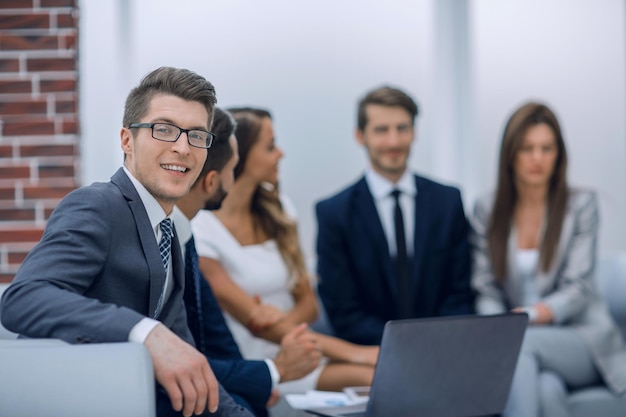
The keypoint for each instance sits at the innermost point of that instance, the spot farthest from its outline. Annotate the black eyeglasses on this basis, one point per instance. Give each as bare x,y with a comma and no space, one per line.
170,133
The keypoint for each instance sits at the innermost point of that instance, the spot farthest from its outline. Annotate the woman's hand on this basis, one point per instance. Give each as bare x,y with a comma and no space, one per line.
263,316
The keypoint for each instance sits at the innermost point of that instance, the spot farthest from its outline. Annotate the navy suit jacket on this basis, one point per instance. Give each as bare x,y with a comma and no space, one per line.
357,280
248,381
96,272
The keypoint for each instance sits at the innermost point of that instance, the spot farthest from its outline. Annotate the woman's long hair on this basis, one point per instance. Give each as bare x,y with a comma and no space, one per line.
499,229
267,210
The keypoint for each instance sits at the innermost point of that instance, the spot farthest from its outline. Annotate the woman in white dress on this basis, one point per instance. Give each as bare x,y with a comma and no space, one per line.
250,254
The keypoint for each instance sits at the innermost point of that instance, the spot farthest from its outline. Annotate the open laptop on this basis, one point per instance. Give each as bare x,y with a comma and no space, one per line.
455,366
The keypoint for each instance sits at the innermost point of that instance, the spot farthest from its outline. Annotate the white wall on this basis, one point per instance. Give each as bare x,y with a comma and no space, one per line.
468,64
569,54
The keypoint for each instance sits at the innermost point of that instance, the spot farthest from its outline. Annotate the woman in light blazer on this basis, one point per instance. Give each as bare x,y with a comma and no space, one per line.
534,246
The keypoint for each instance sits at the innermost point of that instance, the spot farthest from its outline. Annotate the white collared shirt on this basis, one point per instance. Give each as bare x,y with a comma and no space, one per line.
381,189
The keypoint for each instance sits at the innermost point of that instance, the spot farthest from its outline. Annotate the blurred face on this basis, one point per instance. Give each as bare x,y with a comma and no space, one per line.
166,169
225,178
535,160
263,157
387,137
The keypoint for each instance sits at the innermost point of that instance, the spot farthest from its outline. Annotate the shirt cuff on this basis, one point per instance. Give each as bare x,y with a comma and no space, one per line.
140,331
271,366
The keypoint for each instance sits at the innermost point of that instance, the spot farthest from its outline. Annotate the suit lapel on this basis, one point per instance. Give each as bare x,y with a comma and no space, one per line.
366,214
423,210
146,237
547,280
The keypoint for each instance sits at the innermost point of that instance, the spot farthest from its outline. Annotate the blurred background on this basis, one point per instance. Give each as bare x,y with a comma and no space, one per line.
468,64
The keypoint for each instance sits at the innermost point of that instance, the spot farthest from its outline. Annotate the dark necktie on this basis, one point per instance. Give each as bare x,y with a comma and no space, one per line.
192,295
402,260
165,245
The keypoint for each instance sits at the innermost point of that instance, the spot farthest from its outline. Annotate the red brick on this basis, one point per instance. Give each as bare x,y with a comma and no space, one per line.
35,127
56,171
9,65
65,106
16,4
15,172
70,127
51,64
49,86
6,151
17,215
21,235
26,43
32,193
7,193
58,3
6,278
12,87
66,21
17,258
46,150
69,42
47,213
23,107
25,21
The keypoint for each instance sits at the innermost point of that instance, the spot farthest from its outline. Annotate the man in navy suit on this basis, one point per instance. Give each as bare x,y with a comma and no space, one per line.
249,382
109,268
393,245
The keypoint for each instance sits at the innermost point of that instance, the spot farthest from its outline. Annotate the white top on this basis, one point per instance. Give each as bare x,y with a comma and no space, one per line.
526,263
257,269
381,189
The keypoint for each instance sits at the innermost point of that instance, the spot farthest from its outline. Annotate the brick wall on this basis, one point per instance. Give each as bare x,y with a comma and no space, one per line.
39,142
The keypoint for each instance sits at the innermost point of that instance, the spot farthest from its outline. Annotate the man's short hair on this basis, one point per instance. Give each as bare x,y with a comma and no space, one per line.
178,82
220,151
388,97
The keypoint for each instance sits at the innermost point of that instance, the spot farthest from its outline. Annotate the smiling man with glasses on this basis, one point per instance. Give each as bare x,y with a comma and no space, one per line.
109,266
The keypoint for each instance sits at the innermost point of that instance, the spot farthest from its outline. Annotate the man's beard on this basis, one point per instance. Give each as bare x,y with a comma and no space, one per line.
215,202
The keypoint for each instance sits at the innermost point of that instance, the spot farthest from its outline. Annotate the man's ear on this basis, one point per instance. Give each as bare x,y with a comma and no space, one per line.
126,140
210,182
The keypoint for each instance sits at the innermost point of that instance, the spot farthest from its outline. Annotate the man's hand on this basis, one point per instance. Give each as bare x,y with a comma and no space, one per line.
274,397
299,354
183,372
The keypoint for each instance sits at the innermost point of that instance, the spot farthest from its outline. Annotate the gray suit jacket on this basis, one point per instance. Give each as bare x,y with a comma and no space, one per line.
568,288
96,272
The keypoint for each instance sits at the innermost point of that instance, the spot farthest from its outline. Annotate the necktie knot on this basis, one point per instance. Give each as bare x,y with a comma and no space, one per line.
396,194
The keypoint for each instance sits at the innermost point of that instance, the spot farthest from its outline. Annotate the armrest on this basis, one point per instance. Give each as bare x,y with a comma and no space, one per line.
45,378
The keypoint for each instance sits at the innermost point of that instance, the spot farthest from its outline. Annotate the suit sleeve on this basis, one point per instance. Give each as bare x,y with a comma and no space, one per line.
459,297
337,288
46,298
246,378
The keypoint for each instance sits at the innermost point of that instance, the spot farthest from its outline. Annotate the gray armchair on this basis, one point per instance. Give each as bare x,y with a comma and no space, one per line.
48,377
599,401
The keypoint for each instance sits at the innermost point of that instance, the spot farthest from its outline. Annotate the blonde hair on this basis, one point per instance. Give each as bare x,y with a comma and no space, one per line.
267,210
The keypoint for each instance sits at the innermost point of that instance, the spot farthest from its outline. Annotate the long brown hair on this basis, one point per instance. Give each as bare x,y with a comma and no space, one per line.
499,229
267,209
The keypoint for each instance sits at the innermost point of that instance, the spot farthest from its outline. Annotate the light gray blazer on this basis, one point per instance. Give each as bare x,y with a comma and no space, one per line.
568,288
